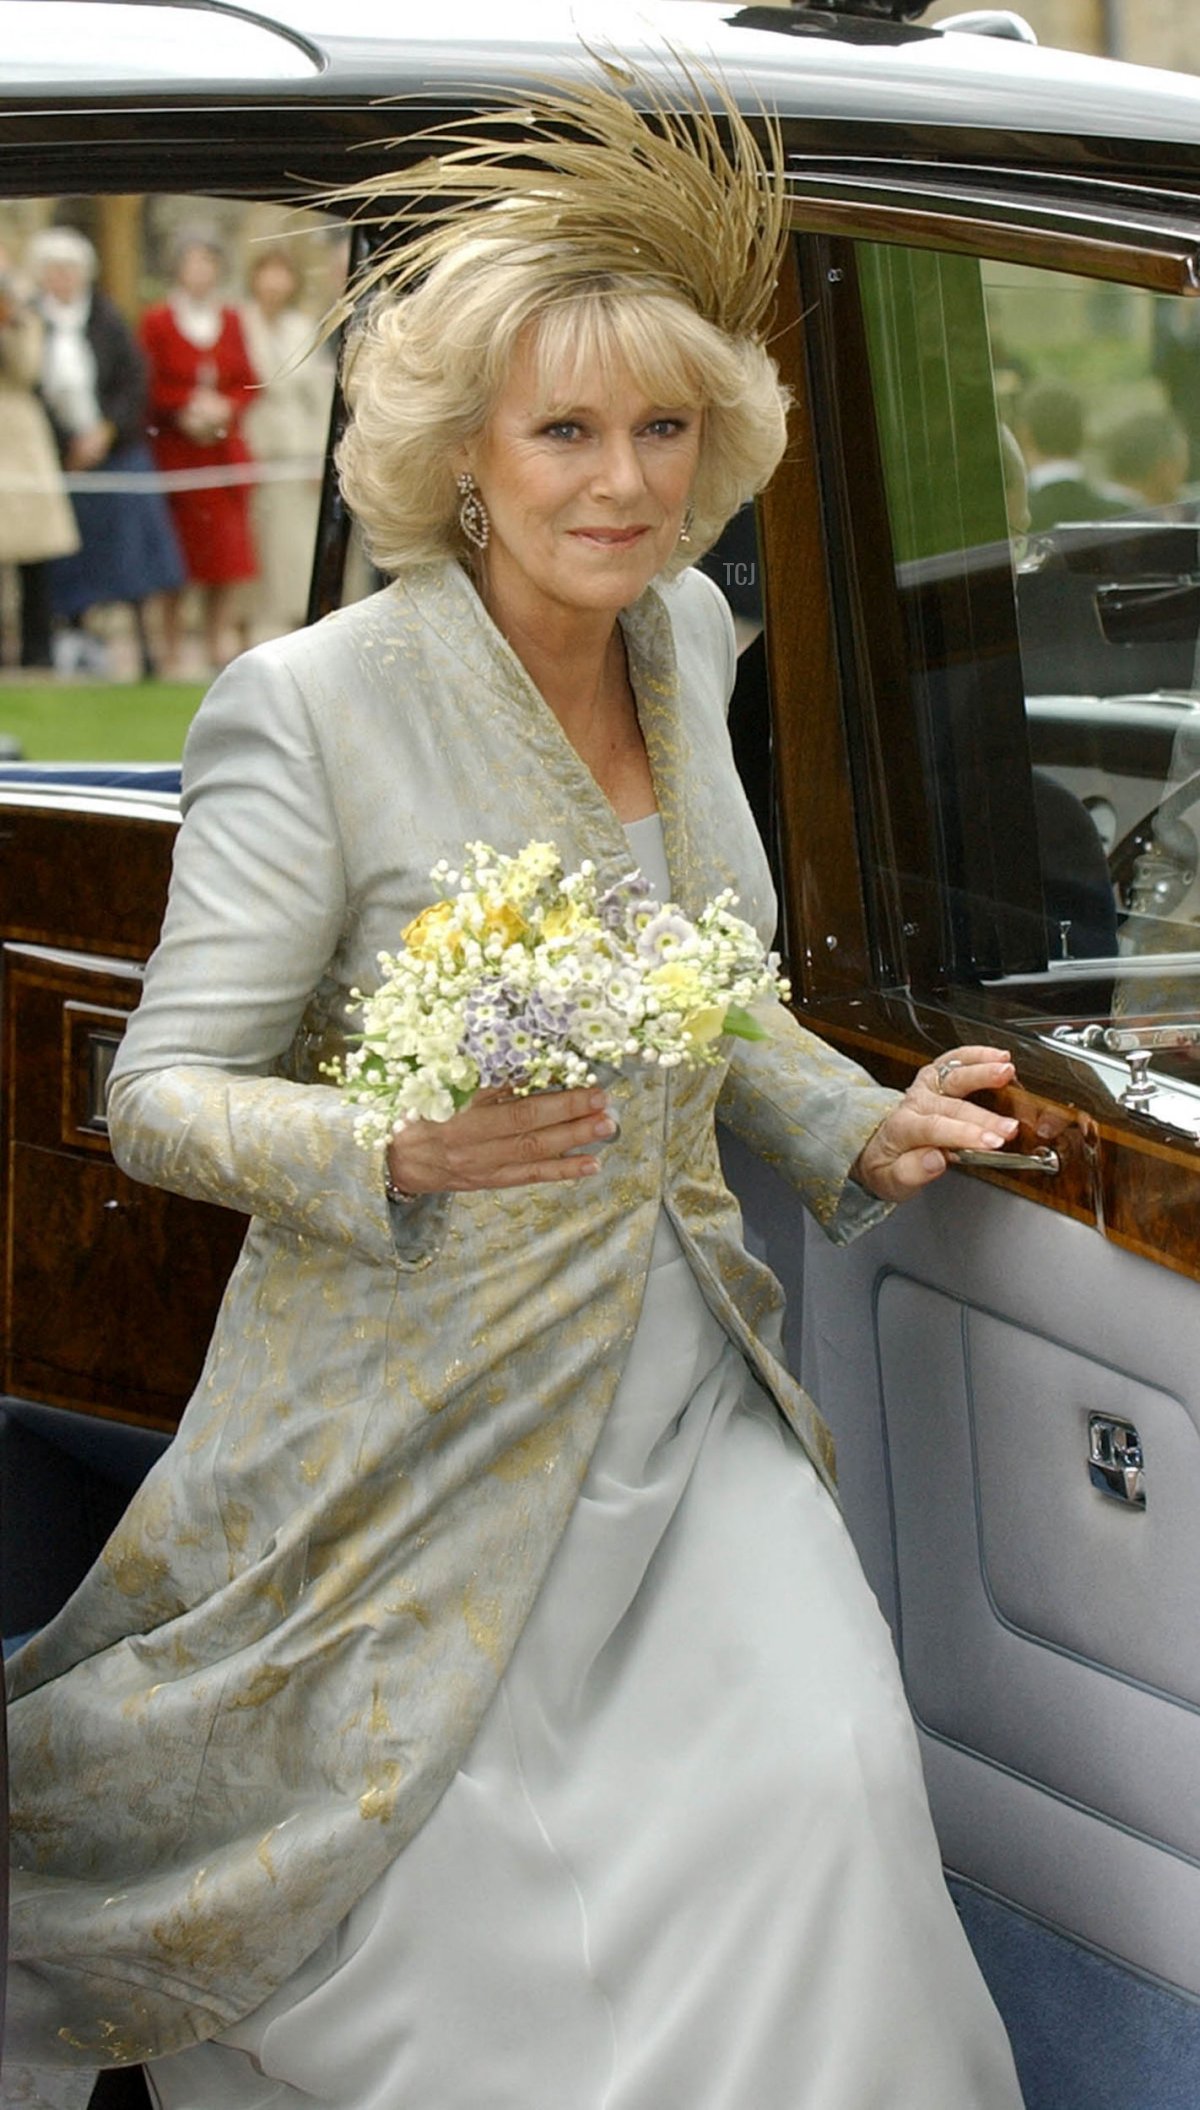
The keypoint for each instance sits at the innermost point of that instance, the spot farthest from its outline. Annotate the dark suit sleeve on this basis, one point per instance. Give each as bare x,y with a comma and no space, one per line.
120,372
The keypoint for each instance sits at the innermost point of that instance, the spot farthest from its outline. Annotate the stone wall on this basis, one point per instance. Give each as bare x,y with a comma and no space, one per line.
1152,32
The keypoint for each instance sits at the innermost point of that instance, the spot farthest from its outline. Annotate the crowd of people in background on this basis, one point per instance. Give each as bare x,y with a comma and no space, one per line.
172,470
1144,461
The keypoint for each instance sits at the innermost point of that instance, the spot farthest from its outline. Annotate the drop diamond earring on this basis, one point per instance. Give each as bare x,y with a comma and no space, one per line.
685,526
472,512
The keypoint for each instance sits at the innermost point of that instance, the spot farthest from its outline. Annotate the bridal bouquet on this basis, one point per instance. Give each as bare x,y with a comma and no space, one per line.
524,976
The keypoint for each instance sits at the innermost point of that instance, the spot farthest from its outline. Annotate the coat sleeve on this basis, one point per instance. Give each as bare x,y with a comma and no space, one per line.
239,382
171,376
21,348
257,901
120,371
807,1110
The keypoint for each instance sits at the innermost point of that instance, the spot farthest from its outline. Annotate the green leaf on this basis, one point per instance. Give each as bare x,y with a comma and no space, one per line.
743,1025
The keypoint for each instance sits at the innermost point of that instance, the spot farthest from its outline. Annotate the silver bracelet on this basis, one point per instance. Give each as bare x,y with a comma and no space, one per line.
392,1193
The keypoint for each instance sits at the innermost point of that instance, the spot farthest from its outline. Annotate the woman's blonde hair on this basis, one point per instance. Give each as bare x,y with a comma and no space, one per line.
423,371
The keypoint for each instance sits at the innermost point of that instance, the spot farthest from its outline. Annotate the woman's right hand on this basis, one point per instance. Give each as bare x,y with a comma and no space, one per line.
205,417
502,1141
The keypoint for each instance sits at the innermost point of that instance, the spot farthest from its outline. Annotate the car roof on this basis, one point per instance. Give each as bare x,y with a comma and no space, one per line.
808,64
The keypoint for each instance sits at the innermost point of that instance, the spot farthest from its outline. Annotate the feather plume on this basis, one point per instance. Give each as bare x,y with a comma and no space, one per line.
619,175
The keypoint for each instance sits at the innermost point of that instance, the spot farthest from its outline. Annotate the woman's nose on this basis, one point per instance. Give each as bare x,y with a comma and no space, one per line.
619,469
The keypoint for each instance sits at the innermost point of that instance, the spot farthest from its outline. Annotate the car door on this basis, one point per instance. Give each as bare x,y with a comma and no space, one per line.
983,759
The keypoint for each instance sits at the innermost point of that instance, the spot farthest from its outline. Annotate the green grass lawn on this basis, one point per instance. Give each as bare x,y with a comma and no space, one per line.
66,721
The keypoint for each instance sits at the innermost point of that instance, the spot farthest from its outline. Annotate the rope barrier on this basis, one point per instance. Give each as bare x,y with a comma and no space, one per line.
302,469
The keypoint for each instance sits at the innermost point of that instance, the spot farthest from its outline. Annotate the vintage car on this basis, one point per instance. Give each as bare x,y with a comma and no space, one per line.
975,754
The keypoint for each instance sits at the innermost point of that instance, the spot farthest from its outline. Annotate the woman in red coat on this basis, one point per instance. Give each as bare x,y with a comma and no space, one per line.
201,380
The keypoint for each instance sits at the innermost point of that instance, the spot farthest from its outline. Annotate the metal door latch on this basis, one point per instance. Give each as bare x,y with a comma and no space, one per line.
1115,1462
1138,1044
1044,1160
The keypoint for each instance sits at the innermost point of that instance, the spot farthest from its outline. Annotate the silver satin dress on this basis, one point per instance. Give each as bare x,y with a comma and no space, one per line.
687,1863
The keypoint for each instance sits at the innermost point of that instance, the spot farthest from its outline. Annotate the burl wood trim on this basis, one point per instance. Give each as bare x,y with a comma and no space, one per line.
823,898
92,882
1161,259
1137,1186
109,1288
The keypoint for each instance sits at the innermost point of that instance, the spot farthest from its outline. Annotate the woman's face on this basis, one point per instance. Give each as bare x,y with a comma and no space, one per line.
62,279
586,498
274,284
198,270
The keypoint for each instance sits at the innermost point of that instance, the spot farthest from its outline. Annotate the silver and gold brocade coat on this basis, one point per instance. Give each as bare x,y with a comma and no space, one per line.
273,1671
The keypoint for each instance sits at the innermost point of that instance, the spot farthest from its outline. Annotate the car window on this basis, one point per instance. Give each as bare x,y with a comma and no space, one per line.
1038,437
166,419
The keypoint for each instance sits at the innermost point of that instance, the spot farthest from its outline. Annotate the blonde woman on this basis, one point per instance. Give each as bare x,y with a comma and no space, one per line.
482,1704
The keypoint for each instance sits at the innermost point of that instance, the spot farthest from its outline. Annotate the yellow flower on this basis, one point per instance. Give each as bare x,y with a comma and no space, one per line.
677,985
434,931
564,920
705,1026
502,920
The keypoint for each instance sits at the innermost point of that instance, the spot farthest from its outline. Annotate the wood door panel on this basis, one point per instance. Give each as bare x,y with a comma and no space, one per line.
1131,1178
95,880
109,1287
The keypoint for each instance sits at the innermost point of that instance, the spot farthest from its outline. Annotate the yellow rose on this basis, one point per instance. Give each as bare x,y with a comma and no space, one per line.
434,931
502,920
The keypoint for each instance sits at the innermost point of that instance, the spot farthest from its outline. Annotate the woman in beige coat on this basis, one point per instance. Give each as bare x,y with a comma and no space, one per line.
36,519
481,1703
286,426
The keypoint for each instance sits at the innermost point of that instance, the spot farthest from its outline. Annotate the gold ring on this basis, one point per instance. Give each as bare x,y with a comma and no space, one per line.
943,1071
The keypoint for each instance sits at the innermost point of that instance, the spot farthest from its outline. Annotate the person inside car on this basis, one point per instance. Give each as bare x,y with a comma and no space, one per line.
1050,429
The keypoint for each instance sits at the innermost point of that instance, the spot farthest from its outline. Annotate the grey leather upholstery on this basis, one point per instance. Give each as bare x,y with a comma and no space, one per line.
1048,1634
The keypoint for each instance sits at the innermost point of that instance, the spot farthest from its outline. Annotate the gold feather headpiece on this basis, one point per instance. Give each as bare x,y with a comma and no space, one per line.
617,175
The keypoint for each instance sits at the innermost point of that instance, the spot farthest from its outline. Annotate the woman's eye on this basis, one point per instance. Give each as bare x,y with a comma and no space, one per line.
667,428
563,429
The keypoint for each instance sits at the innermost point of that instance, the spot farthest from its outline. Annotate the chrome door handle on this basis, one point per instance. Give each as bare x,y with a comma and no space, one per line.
1131,1040
1008,1160
1116,1464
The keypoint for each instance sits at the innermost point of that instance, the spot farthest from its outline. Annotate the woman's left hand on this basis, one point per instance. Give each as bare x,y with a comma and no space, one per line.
86,449
933,1120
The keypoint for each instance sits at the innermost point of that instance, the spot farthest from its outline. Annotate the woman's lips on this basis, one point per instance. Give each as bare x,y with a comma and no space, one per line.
610,538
